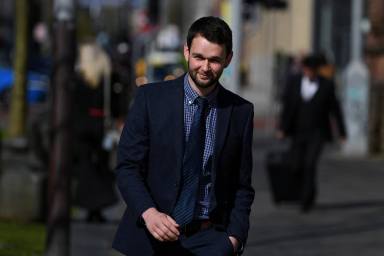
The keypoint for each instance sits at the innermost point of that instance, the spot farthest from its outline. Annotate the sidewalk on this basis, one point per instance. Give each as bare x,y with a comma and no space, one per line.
349,218
92,239
96,239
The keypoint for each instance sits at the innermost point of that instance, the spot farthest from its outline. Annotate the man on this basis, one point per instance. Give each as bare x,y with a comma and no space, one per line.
185,158
309,107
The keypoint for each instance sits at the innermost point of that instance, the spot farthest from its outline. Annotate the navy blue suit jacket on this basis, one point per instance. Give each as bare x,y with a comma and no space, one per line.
150,157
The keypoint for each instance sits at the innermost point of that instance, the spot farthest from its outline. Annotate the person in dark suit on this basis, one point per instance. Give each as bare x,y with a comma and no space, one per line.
185,158
310,112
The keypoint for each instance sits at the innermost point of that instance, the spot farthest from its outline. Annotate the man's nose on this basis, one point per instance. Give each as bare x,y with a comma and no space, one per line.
205,65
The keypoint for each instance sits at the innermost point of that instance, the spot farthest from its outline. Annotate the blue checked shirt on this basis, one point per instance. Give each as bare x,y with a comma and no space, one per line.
190,107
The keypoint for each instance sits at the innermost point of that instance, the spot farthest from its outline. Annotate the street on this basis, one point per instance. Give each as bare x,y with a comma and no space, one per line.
348,219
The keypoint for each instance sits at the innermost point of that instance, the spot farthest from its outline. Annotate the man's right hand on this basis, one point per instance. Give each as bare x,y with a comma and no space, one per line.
160,225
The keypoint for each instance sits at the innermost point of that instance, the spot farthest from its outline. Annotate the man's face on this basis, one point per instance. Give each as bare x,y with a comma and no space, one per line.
309,72
206,61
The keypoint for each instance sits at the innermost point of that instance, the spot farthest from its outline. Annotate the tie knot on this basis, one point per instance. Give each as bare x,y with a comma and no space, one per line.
202,102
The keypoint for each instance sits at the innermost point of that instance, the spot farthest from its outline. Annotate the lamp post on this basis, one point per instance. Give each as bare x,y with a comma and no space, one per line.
58,225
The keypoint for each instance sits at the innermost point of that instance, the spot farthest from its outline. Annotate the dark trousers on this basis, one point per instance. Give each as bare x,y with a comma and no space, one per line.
209,242
306,150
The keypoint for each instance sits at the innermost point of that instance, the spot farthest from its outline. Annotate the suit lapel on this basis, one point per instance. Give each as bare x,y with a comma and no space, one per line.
224,110
177,124
320,88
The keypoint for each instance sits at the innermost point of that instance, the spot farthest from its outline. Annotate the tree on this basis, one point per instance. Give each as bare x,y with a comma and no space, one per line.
18,111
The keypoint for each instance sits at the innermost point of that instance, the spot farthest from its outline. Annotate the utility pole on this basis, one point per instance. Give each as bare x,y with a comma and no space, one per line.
58,229
356,90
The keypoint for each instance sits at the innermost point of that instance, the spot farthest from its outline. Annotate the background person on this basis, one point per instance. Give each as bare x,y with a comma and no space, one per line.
94,186
309,103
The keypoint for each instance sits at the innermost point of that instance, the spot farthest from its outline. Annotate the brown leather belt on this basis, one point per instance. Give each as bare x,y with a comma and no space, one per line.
195,226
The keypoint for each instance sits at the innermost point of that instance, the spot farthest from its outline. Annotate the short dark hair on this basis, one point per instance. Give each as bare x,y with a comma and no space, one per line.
310,61
213,29
322,59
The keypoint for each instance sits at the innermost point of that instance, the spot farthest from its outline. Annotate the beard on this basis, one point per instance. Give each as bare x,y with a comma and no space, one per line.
204,84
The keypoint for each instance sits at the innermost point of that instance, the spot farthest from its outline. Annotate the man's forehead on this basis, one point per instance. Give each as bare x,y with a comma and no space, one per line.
201,38
200,42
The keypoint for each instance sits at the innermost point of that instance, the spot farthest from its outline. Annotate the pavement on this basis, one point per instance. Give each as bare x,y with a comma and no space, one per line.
348,219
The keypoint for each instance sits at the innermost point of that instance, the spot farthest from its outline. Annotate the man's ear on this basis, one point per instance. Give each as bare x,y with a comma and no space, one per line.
228,59
186,52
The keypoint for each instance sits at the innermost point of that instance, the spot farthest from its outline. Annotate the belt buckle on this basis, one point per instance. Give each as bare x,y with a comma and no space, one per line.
195,226
205,224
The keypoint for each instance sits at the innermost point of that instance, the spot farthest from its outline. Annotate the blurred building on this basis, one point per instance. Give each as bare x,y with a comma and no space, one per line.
268,32
332,27
271,33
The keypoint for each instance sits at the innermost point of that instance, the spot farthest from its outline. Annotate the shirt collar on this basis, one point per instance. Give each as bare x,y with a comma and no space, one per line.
191,95
309,81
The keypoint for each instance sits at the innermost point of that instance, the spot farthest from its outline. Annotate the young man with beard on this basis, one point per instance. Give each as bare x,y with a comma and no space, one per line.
185,158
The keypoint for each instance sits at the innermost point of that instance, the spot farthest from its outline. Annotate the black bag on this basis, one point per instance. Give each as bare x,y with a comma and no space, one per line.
283,180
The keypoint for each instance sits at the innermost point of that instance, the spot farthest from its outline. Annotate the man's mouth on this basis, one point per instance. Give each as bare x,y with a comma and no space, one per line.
204,77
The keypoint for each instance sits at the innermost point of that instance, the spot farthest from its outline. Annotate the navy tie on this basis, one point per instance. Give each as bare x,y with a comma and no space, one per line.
192,166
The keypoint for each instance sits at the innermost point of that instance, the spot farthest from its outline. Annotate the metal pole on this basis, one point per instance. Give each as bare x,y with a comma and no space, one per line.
58,225
357,6
237,35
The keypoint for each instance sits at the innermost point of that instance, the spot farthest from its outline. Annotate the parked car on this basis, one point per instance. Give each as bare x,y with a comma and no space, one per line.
37,86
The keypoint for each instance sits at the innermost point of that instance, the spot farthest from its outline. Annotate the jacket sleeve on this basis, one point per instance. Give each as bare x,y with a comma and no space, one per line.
337,113
132,155
286,106
239,216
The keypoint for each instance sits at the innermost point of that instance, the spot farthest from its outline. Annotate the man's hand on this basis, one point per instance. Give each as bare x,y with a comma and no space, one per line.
279,135
234,242
161,226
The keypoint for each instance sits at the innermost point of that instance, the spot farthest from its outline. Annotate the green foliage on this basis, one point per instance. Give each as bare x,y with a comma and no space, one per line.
3,134
21,239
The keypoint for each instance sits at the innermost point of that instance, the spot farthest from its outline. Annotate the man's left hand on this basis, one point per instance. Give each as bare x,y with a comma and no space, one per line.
234,242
